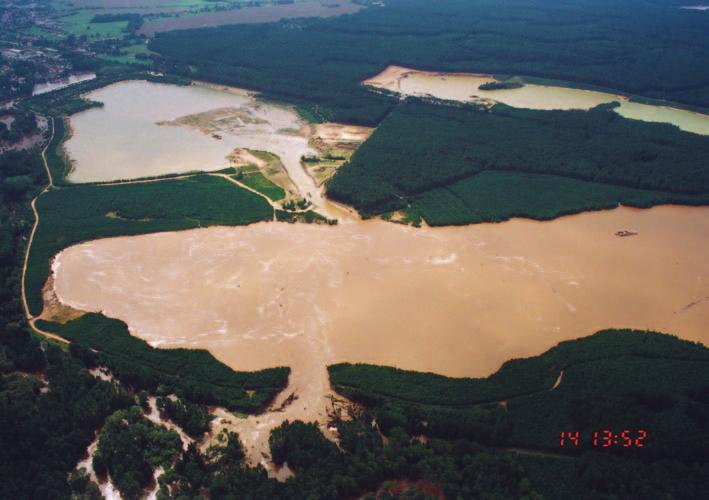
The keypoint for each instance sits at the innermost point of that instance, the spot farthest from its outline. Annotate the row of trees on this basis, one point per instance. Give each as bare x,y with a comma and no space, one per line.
426,155
321,63
23,124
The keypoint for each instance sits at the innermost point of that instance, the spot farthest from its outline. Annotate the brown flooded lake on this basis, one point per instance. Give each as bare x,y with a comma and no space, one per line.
464,87
149,129
458,301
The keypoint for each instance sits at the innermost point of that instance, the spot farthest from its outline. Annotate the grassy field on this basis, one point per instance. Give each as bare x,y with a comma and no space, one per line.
252,177
73,214
130,53
80,25
195,374
56,161
459,165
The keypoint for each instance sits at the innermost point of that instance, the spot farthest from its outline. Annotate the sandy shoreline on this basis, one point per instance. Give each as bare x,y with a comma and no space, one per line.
464,87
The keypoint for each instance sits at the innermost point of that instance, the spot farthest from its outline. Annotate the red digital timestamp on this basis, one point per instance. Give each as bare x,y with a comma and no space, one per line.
606,438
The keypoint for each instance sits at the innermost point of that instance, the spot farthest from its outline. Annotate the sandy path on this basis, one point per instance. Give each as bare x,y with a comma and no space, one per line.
31,319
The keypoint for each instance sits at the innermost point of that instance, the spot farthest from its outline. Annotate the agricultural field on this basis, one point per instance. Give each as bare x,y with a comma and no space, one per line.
70,215
461,165
264,11
82,25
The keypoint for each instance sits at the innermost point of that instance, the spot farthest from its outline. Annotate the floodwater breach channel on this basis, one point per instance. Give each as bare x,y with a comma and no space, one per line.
457,301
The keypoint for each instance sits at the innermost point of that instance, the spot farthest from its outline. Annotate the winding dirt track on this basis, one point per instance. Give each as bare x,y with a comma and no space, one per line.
31,319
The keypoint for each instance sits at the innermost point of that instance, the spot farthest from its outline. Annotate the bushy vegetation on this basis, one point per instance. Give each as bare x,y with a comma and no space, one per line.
193,419
193,374
21,178
501,85
23,123
131,447
70,215
364,465
307,217
318,63
614,379
458,165
44,433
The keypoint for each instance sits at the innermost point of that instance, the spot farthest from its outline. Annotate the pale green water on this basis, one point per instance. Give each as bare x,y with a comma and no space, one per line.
464,87
686,120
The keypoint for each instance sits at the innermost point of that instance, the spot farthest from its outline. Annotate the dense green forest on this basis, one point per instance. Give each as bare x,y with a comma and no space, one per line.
130,447
461,165
194,419
43,433
72,214
23,123
21,178
410,435
612,380
193,374
649,48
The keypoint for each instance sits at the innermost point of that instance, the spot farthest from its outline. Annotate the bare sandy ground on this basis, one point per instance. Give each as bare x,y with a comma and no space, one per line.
457,301
338,135
392,76
335,144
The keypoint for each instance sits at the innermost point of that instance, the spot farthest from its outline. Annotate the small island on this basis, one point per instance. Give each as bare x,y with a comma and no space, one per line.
501,85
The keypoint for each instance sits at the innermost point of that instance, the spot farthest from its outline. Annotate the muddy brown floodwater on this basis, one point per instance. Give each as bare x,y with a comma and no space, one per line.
458,301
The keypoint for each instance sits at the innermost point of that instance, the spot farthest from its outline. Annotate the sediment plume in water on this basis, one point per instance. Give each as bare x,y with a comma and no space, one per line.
457,301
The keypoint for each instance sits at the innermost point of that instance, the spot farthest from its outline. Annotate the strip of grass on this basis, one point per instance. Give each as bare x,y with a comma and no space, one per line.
80,24
73,214
256,180
195,374
55,159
